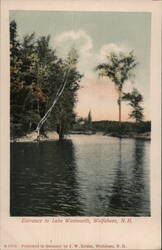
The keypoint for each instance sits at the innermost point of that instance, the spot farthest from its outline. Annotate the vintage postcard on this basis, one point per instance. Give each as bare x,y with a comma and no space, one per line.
80,124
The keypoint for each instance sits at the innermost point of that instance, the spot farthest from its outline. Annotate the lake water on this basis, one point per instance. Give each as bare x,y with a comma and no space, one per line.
82,176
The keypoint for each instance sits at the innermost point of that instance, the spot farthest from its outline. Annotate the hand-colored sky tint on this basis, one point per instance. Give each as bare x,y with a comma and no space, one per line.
95,34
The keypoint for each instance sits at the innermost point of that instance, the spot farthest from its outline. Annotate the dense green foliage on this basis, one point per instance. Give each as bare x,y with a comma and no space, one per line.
134,100
36,74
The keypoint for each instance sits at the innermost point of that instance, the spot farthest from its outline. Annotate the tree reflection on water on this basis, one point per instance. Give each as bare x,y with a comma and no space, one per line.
85,176
130,190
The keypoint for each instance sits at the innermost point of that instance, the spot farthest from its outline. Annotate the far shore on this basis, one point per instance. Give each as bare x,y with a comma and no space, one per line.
143,136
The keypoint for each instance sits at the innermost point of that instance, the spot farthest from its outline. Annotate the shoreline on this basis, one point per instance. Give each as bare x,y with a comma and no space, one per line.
142,136
31,137
53,136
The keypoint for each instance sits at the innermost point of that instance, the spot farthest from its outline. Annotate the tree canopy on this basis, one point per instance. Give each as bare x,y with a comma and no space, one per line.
118,68
134,100
37,74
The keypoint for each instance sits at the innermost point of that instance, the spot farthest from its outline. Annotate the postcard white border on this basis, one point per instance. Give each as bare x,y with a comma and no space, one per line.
144,232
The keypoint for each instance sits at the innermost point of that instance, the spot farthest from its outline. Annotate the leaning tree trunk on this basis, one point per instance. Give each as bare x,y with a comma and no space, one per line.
58,95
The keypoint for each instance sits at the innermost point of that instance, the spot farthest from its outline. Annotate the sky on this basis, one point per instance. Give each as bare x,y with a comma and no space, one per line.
95,34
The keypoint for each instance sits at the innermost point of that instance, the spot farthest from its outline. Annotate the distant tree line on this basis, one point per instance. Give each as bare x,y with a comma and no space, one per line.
123,128
37,75
114,127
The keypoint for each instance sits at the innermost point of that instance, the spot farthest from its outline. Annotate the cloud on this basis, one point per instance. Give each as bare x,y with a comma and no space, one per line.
80,39
88,58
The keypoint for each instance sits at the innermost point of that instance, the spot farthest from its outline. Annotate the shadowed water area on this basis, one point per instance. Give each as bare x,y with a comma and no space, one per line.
82,176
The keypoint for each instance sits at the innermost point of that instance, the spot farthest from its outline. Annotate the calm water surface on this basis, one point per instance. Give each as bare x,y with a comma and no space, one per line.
82,176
